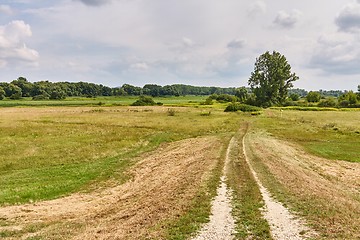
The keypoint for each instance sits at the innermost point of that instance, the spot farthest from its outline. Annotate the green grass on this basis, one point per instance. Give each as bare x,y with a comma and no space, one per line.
247,199
330,134
53,151
102,101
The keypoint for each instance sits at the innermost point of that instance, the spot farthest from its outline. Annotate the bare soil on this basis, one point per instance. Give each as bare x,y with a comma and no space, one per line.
161,187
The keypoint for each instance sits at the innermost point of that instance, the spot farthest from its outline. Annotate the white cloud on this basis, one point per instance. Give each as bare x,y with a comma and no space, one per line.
348,19
12,45
287,20
142,66
6,9
187,42
208,42
337,54
259,7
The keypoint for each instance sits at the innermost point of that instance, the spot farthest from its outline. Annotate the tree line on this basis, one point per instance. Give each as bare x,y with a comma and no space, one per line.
41,90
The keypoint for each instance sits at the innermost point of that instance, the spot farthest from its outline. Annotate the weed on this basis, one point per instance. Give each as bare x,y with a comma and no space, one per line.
205,113
171,112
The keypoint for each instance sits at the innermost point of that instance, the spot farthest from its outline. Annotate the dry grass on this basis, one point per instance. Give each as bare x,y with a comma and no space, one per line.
325,192
71,148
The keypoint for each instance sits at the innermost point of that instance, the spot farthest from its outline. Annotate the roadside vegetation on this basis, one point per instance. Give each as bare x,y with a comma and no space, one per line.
309,161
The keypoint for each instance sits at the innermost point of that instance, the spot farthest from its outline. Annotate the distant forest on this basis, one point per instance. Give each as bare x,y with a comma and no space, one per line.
60,90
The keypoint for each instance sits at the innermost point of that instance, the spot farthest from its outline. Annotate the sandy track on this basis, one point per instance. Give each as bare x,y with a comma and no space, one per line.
161,186
221,224
283,224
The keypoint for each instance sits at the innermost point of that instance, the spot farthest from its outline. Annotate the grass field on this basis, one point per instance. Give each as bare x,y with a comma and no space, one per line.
69,148
50,149
330,134
102,101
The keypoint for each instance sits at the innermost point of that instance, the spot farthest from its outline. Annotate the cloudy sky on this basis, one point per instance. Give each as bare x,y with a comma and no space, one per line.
197,42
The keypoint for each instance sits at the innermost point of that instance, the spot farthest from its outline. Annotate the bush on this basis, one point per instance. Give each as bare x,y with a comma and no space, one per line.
15,96
208,101
222,98
290,103
234,107
313,96
40,97
171,112
294,97
344,103
327,103
145,101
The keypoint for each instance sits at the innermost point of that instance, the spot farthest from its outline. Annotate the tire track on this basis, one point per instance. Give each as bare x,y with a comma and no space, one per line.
283,224
222,223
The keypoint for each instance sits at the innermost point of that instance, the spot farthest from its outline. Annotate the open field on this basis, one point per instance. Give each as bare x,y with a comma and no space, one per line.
107,101
70,147
107,172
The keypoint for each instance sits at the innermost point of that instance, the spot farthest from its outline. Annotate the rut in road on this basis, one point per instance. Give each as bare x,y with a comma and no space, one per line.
222,223
283,224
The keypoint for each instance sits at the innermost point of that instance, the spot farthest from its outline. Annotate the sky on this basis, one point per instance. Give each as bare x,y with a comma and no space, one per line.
196,42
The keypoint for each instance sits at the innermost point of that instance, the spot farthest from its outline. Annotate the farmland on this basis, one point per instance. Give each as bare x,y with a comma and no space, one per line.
109,161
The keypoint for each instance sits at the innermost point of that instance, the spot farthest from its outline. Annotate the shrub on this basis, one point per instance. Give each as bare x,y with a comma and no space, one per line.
313,96
145,101
344,103
15,96
233,107
290,103
40,97
208,101
205,113
294,97
327,103
222,98
171,112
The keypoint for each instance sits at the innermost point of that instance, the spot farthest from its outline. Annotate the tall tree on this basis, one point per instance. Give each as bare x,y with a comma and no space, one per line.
271,79
2,93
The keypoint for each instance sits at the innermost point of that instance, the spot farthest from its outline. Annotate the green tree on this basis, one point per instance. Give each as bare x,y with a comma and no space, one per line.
294,97
57,94
2,93
26,87
242,94
152,89
13,91
313,96
350,97
271,79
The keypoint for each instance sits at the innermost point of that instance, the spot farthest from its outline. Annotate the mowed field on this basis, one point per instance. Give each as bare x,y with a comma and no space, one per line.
137,172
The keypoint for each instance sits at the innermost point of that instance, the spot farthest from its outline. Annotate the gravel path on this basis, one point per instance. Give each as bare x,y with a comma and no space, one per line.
221,224
283,224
